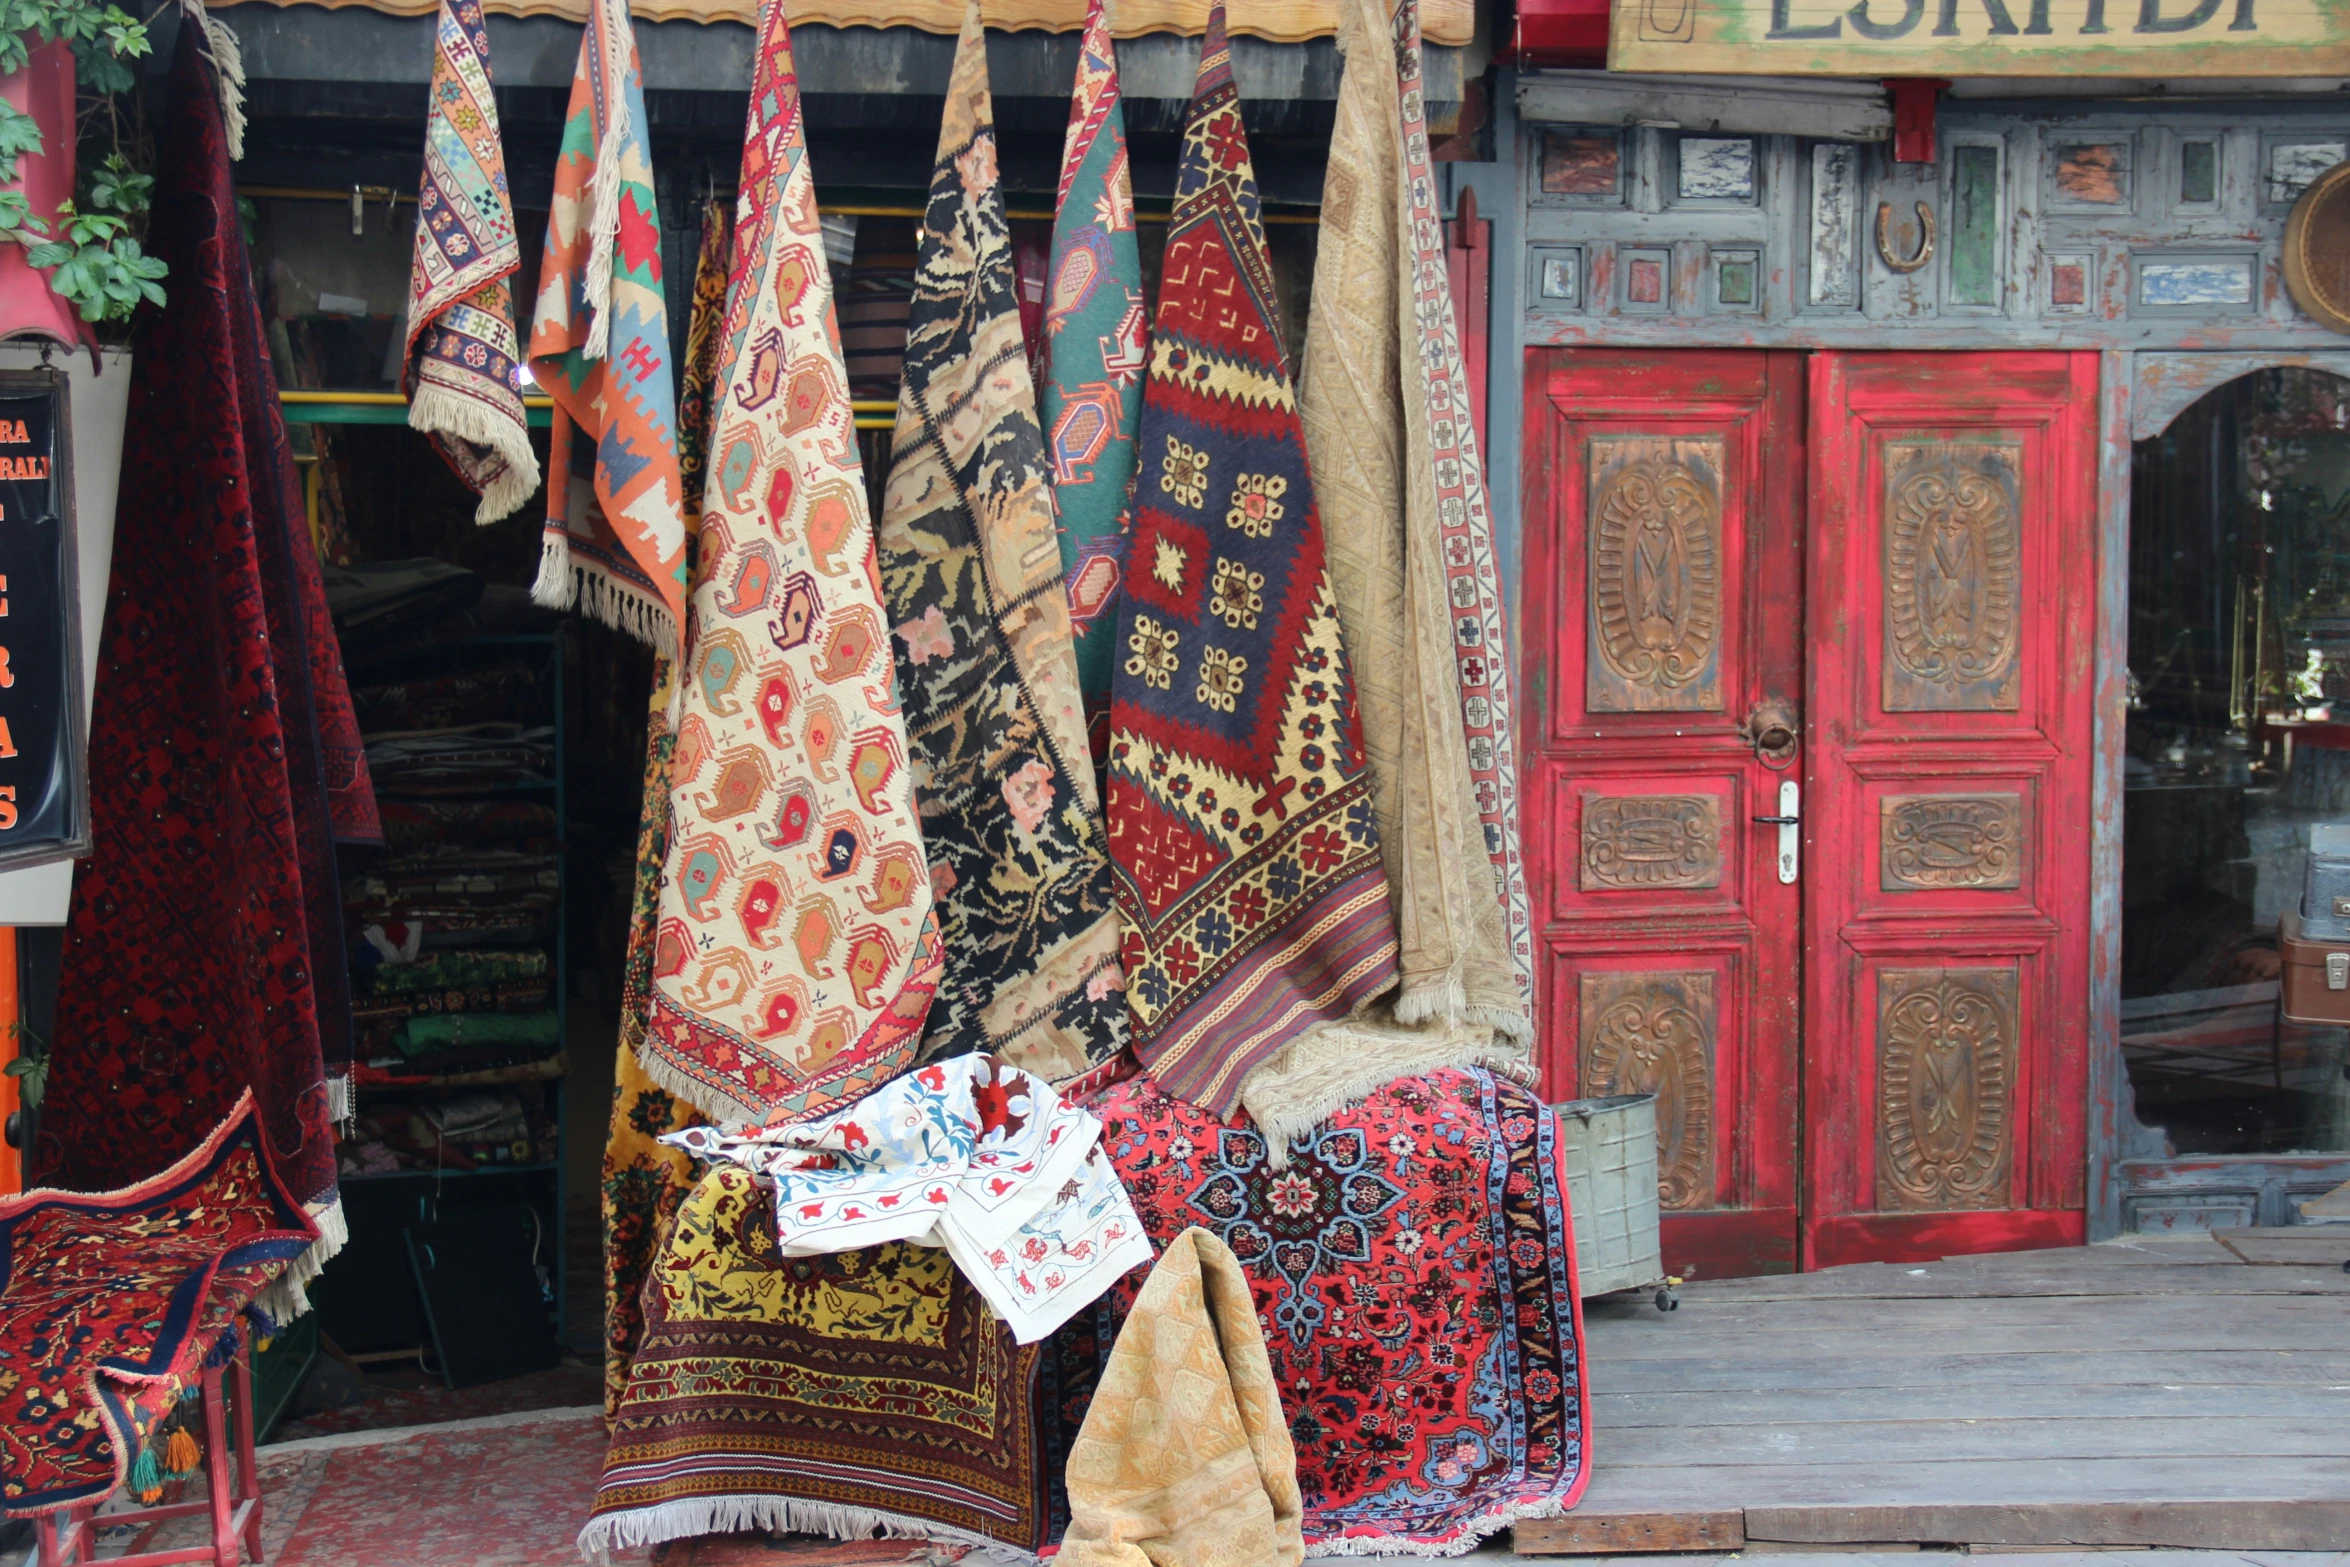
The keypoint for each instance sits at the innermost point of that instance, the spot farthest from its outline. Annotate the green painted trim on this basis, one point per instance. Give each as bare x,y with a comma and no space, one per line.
380,413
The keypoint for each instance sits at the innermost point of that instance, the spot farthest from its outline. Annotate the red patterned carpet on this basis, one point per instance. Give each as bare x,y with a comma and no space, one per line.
493,1495
410,1397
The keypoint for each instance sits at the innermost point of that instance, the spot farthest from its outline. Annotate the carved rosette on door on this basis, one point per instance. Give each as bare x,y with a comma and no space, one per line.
1654,1034
1656,575
1946,1048
1953,569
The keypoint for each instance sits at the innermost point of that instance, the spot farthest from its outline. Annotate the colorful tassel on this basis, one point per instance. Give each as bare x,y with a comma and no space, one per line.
181,1455
146,1478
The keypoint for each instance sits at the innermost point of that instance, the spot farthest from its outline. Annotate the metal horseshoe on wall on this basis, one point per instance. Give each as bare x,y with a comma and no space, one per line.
1885,238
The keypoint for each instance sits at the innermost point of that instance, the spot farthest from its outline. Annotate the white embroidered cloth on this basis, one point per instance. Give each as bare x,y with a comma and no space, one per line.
972,1154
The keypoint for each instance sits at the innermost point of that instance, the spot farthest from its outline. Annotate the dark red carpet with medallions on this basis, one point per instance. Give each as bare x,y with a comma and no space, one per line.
188,972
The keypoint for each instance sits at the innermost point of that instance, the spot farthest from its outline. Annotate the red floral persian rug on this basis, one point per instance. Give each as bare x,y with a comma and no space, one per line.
1413,1267
110,1303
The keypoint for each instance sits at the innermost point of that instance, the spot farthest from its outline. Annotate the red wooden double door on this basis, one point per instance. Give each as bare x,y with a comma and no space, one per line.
1853,590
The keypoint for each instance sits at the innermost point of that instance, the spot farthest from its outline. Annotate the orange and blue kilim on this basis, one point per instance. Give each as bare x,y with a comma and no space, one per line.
1248,865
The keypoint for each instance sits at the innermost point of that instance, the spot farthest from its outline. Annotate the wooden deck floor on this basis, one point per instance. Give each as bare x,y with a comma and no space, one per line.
2190,1392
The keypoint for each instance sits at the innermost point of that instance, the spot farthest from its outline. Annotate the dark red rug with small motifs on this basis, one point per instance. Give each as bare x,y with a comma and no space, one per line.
197,955
1414,1271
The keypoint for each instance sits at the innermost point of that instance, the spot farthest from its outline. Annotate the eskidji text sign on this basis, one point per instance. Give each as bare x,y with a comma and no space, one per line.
44,798
2156,38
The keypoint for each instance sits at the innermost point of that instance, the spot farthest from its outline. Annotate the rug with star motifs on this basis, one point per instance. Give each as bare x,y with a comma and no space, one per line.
1241,822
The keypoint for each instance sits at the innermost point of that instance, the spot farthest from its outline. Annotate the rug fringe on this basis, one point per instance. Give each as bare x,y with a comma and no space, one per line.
604,184
1473,1534
437,411
1343,1062
289,1296
563,585
338,1099
689,1517
228,61
722,1111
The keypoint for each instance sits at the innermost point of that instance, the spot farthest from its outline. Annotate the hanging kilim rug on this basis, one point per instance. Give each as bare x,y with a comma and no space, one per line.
643,1182
1240,813
845,1394
1385,423
1413,1268
599,346
108,1302
461,348
1093,358
187,975
797,948
1011,816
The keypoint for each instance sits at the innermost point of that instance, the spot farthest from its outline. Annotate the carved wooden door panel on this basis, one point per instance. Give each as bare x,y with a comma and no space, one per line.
1663,606
1947,843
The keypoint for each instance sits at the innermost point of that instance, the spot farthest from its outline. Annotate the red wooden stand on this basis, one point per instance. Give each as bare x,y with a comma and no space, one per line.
69,1538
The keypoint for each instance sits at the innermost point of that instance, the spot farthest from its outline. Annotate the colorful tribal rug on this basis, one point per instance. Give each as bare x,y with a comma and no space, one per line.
1184,1459
461,347
1414,1271
972,1154
109,1302
1395,467
985,667
846,1394
1240,813
1091,385
797,948
644,1181
188,974
599,346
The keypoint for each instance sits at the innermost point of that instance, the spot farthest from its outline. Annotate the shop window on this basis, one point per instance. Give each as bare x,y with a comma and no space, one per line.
2238,744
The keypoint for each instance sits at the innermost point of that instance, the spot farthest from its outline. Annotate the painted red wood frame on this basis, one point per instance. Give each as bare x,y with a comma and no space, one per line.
1950,590
1468,260
1663,590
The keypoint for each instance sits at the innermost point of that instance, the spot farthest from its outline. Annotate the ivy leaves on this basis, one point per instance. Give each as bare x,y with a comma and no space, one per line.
93,258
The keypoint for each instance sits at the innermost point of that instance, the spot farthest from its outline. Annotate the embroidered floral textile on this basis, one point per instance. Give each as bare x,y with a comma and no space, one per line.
972,1154
1240,813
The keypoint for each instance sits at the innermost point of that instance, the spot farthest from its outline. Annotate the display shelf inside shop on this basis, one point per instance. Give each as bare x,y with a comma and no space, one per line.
459,976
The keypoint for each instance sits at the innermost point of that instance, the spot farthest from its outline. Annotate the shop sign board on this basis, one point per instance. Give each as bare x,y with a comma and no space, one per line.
1954,38
44,787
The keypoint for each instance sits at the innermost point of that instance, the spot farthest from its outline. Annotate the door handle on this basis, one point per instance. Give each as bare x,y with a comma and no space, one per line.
1789,821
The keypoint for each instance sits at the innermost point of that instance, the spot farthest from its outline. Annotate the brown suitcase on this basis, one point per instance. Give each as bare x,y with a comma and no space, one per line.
2317,975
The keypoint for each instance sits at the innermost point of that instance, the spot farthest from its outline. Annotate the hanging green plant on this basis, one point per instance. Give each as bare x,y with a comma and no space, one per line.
91,252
